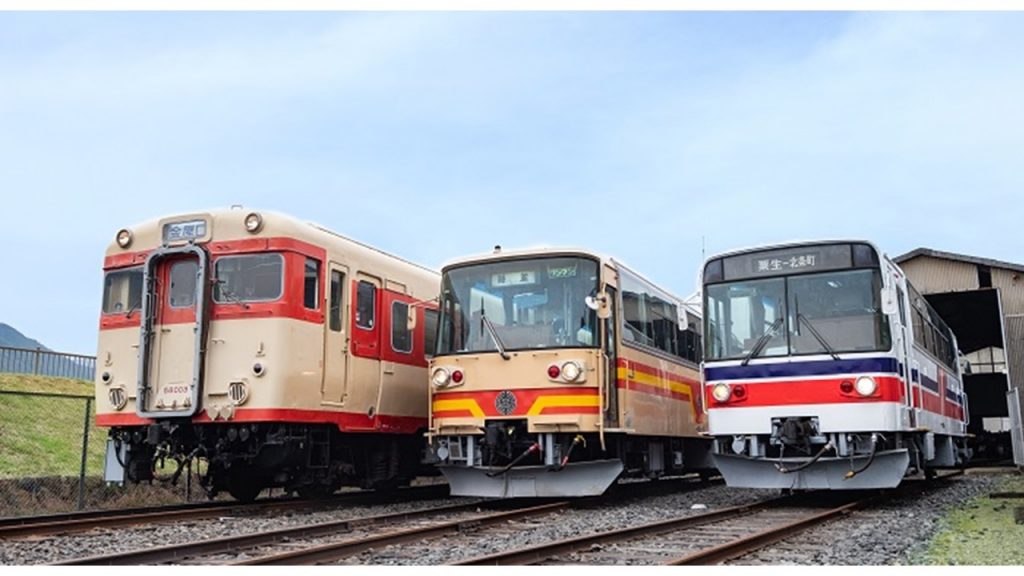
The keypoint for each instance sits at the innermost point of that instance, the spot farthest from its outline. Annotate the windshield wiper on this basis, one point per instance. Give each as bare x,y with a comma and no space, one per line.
762,341
818,337
132,308
231,295
494,333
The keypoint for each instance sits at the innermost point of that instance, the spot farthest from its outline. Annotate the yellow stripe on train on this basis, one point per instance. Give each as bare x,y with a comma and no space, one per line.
575,401
655,381
459,404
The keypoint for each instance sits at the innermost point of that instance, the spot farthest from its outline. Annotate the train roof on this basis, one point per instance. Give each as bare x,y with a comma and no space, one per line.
149,230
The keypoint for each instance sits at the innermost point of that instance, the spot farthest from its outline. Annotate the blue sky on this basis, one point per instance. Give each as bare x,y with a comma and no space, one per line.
438,135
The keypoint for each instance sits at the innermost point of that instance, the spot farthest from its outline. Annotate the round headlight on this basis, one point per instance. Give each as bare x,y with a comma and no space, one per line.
124,238
571,371
721,392
440,377
253,222
866,386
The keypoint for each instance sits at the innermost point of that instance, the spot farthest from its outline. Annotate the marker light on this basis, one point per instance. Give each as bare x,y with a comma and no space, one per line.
721,392
846,386
571,371
554,371
866,385
739,391
124,238
253,222
457,376
440,377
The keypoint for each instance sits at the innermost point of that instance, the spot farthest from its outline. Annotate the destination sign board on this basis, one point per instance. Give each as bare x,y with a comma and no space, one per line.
799,259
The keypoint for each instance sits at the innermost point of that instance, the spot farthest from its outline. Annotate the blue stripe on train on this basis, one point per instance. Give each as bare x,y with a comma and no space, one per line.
796,369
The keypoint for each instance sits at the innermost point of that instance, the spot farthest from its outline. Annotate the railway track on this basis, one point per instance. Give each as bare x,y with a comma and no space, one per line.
34,526
708,538
335,541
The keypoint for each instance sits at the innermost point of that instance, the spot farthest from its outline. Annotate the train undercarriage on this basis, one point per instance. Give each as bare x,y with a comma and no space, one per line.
797,456
509,461
245,458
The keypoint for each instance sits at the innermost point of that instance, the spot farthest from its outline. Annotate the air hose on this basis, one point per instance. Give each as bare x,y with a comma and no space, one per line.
535,447
579,439
871,458
828,446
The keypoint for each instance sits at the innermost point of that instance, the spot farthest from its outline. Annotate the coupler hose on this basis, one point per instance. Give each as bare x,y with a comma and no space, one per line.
828,446
535,447
579,439
871,458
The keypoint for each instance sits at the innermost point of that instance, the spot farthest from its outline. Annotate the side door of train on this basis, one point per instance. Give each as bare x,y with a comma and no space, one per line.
337,334
904,349
363,384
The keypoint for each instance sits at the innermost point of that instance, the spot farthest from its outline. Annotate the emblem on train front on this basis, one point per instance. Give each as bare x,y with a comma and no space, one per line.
505,402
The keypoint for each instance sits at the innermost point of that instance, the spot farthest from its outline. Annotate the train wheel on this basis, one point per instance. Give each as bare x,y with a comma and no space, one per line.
243,487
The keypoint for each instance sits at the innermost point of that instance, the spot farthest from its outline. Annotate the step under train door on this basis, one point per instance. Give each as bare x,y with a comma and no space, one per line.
173,329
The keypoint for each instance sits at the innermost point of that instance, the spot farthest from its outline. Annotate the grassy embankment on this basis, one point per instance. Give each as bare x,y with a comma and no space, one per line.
42,436
983,532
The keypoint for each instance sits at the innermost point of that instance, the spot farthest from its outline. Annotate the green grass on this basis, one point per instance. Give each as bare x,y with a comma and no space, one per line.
983,532
42,436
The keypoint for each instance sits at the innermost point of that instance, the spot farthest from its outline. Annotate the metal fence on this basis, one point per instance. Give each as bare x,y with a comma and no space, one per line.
47,363
51,460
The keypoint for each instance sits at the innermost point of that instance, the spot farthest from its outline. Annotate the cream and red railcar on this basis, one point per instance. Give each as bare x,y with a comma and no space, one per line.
276,352
824,368
558,371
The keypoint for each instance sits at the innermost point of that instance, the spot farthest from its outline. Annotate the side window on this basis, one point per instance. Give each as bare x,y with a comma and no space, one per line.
430,332
401,336
903,310
183,284
311,285
337,287
366,298
122,291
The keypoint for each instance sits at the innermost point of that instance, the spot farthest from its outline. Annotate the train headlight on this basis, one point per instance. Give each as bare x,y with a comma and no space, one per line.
440,377
253,222
124,238
721,392
865,386
572,371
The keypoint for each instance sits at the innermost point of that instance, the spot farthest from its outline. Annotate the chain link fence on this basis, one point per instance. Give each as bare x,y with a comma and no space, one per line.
52,458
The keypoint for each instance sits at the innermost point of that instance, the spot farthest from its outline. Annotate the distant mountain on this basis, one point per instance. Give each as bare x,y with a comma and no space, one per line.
10,337
29,362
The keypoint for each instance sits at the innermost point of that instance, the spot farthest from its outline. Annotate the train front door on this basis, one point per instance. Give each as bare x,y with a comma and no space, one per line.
171,343
336,336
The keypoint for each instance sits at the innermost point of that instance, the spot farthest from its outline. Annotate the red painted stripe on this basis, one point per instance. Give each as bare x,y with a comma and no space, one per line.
654,371
525,399
346,421
817,391
654,390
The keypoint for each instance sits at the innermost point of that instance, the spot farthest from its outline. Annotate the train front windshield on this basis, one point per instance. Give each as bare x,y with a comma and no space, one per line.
523,304
796,313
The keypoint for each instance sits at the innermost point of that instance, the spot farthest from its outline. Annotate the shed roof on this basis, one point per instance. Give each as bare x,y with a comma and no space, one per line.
959,257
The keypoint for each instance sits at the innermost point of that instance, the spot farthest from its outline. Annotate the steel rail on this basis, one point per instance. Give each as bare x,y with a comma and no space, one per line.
747,544
234,544
534,554
81,521
339,550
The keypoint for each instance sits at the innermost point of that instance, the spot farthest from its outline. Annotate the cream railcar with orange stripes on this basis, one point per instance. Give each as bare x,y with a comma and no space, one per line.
557,372
276,352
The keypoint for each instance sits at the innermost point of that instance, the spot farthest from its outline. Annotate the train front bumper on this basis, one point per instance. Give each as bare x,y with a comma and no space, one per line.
575,480
886,471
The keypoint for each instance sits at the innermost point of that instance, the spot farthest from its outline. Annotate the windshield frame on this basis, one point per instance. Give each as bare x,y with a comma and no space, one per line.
444,348
883,343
